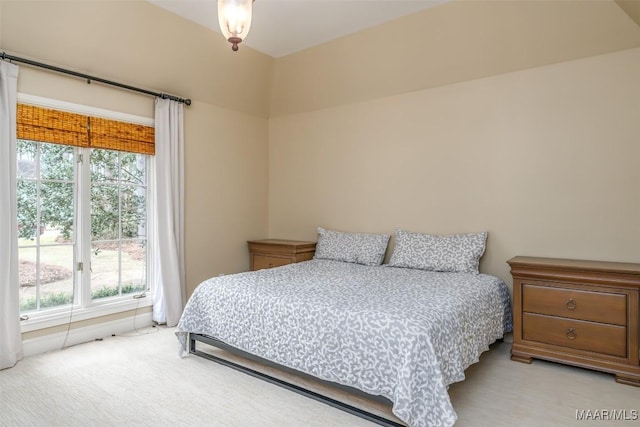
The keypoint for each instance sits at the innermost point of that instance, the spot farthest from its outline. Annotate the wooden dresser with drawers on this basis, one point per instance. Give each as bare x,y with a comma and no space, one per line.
582,313
269,253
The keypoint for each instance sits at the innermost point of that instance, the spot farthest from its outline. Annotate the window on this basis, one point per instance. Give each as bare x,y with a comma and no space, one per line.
118,223
83,210
46,187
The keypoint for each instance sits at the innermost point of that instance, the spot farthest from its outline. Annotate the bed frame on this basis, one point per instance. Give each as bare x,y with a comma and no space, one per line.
193,338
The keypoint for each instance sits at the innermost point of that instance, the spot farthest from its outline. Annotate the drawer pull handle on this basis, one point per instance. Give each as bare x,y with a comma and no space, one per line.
571,304
571,333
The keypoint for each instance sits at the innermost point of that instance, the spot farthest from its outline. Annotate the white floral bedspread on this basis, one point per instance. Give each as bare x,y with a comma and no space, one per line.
400,333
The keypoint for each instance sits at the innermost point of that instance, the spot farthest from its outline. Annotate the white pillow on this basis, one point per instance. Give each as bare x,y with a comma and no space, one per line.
451,253
360,248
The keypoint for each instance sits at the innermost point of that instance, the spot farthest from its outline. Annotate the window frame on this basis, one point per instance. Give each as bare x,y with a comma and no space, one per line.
76,312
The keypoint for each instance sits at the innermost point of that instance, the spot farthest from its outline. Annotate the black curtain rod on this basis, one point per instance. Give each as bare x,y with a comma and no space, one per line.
89,78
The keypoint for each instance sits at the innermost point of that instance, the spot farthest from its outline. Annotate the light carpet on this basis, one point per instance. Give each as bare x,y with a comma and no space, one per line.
138,379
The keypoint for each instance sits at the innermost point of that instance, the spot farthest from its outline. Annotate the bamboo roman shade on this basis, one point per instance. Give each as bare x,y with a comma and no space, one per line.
60,127
115,135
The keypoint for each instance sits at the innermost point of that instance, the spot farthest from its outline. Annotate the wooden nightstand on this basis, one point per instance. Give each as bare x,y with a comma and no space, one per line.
582,313
270,253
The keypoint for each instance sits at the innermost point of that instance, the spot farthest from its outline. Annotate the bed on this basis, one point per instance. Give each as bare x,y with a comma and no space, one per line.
402,333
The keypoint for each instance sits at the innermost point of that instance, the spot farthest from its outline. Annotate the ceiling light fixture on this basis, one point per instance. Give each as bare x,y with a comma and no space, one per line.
234,17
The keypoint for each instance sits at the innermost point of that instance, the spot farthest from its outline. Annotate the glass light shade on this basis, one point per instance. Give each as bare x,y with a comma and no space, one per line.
234,17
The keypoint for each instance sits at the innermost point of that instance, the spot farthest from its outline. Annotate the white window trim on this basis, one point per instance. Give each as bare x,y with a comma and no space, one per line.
70,107
65,315
77,335
53,317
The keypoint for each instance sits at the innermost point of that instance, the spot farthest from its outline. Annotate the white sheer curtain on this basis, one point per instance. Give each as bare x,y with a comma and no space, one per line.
168,195
10,337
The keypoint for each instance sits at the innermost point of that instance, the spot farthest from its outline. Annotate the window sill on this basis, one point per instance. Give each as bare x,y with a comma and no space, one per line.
64,317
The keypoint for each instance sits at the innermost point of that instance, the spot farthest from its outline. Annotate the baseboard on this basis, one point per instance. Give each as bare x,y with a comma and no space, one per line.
75,336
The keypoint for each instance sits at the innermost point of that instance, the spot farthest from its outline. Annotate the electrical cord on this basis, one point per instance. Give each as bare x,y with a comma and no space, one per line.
73,299
138,332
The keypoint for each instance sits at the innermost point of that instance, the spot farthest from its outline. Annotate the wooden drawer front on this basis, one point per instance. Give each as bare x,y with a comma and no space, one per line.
304,256
261,261
584,305
596,337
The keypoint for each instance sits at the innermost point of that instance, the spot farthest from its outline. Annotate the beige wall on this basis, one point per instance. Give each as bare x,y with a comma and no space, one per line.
546,159
520,118
138,43
454,42
226,199
226,127
632,8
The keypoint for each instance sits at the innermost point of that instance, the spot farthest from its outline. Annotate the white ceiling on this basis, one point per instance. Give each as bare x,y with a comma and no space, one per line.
281,27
